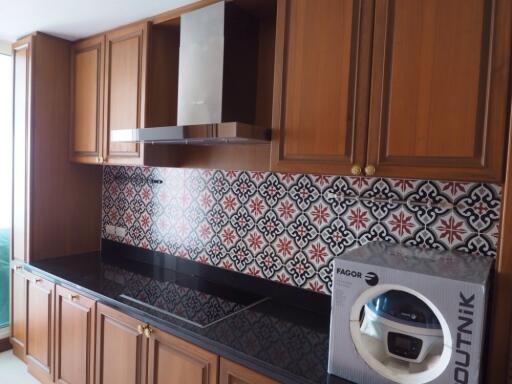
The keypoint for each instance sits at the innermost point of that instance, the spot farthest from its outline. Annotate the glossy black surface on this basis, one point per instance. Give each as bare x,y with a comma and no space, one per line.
287,343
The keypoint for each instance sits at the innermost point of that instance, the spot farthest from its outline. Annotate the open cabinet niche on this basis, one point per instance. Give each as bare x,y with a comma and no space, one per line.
162,96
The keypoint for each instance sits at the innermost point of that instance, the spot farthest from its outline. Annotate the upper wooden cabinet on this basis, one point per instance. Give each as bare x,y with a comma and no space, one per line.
435,105
174,361
316,84
87,64
440,80
125,90
108,92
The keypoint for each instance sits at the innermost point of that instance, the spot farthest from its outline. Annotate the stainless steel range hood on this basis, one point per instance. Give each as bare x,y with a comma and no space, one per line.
216,81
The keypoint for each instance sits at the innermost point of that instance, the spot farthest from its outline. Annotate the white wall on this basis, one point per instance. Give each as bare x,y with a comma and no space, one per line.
5,47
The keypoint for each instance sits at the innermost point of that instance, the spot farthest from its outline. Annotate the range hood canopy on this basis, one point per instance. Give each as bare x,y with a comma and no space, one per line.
217,81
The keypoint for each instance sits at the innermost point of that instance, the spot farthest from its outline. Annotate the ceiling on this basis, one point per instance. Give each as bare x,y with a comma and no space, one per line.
74,19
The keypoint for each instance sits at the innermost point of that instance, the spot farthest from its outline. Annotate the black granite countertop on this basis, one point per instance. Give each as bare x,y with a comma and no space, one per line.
274,337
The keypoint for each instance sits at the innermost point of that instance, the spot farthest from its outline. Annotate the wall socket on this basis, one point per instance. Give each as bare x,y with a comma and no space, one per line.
115,231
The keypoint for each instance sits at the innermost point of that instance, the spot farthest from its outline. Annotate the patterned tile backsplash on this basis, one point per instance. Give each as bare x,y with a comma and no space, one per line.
288,227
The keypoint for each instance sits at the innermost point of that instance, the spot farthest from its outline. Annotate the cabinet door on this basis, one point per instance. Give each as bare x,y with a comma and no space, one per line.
174,361
21,144
321,82
121,350
74,337
87,69
18,310
125,76
232,373
439,88
39,333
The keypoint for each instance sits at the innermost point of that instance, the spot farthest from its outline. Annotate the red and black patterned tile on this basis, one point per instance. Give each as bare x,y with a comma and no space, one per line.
289,227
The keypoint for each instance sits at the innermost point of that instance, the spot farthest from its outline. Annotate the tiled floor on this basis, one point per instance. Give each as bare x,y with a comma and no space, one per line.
12,370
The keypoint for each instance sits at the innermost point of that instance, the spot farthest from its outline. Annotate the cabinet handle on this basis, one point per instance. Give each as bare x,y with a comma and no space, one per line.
37,280
99,159
148,331
356,170
141,328
73,297
18,267
369,170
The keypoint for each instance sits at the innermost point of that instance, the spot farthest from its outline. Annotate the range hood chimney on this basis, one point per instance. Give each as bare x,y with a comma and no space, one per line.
217,81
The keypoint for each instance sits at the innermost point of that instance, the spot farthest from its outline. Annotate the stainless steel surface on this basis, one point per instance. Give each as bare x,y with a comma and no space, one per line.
203,115
201,68
223,133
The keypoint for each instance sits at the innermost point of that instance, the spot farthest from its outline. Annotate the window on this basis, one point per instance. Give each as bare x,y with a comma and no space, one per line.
5,178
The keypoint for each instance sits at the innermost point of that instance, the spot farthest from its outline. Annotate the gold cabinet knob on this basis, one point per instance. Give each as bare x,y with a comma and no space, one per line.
148,331
369,170
73,297
141,328
356,170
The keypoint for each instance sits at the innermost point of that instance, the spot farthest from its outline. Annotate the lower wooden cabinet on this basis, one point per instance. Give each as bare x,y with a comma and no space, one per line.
95,344
232,373
75,317
18,311
174,361
40,327
121,348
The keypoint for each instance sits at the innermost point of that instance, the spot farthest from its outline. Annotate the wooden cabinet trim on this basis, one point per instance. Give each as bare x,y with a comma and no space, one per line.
93,44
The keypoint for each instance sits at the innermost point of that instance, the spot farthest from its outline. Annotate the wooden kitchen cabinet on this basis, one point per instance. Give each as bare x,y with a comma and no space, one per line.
39,327
108,92
435,105
440,80
75,318
87,72
49,219
174,361
121,350
125,90
232,373
18,310
316,87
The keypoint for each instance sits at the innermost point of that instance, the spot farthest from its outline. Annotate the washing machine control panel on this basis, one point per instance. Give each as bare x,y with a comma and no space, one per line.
404,346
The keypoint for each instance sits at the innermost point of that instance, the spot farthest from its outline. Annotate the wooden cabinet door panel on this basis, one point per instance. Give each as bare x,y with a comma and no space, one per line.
438,107
87,69
18,311
174,361
121,350
317,87
125,76
74,339
39,333
232,373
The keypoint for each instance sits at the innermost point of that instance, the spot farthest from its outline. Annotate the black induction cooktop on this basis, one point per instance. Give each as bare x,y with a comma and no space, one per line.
188,298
